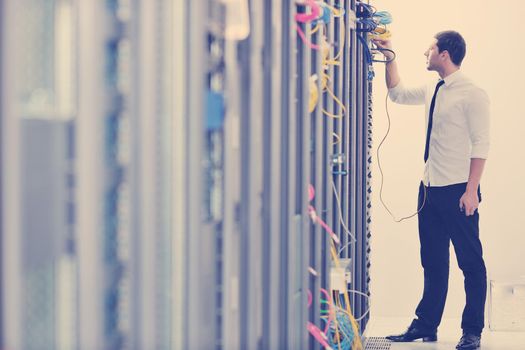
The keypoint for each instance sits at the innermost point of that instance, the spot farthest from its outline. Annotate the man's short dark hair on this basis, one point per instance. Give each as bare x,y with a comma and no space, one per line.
454,43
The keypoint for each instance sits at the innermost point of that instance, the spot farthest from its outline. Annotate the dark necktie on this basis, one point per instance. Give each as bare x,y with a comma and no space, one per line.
429,129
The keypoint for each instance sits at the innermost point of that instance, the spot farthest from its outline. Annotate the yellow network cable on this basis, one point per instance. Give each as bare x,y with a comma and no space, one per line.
316,28
337,325
380,36
357,344
335,61
325,79
337,138
336,99
324,49
380,33
333,252
314,93
336,12
314,97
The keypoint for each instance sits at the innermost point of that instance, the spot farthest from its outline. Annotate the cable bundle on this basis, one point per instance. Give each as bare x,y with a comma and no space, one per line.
319,16
367,25
374,23
341,334
383,17
364,10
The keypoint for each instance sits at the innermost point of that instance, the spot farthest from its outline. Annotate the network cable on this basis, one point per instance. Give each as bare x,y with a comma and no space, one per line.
316,219
383,17
337,13
308,17
382,175
347,231
357,340
338,334
367,53
381,32
304,39
364,10
341,330
382,51
367,25
337,138
315,331
325,78
305,18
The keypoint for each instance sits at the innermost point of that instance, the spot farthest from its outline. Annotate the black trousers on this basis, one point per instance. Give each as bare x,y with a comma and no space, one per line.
442,221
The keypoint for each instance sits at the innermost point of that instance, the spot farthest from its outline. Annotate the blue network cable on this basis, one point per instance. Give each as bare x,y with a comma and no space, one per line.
383,17
343,336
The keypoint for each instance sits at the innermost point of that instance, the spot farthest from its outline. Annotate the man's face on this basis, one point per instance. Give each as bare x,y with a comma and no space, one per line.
434,60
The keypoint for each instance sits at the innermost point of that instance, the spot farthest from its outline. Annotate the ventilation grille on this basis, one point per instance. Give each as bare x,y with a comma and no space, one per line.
376,343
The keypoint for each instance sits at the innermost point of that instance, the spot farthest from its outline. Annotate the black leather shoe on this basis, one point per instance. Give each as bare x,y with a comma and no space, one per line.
414,332
469,342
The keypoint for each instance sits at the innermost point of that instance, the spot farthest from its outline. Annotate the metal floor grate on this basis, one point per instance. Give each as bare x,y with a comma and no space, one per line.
377,343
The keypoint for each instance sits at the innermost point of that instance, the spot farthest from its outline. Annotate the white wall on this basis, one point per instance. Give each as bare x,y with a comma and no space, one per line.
495,55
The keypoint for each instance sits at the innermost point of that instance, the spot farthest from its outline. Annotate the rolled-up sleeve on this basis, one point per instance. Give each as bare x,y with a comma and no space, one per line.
408,96
478,119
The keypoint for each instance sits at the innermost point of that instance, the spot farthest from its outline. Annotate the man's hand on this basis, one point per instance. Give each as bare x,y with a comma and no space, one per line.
469,202
391,74
385,44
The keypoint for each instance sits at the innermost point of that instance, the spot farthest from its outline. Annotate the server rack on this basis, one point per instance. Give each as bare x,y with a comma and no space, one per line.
268,241
87,237
38,241
194,151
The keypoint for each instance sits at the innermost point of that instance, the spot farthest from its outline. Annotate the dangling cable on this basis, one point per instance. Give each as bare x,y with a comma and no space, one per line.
382,175
305,40
347,231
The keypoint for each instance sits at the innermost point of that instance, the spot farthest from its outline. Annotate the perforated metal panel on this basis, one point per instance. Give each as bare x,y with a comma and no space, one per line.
377,343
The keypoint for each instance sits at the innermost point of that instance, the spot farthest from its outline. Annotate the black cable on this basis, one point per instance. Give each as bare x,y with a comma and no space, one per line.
381,50
382,175
368,54
365,11
367,25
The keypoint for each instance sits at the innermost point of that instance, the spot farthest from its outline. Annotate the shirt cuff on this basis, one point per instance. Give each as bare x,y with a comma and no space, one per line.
480,151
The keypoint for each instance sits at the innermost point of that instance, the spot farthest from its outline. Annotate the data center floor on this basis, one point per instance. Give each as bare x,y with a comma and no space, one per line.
448,335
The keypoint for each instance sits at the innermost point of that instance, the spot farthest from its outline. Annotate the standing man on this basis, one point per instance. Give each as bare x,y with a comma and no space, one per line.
457,145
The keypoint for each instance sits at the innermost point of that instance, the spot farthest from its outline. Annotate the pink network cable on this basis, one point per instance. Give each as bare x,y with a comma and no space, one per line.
305,41
308,17
318,335
329,299
315,218
315,331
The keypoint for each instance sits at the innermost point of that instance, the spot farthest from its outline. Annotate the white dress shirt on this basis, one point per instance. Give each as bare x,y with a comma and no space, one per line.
460,126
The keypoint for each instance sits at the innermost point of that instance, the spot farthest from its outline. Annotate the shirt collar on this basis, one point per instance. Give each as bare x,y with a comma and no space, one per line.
450,79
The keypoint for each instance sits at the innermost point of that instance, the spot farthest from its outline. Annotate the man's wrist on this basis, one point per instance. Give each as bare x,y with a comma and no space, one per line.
472,188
